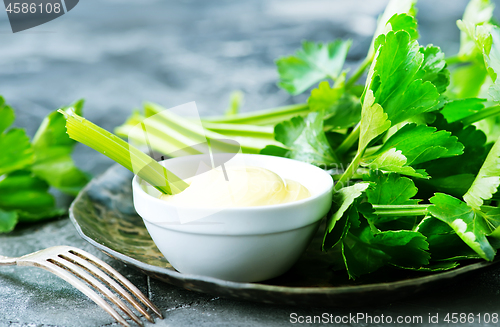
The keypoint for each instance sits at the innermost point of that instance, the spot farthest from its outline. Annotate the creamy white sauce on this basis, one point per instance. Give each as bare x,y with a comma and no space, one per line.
238,186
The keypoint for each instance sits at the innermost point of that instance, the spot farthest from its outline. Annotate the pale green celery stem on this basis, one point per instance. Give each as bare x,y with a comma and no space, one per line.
121,152
240,129
349,172
359,72
337,177
478,116
185,126
349,141
402,210
264,117
162,138
453,60
169,133
159,141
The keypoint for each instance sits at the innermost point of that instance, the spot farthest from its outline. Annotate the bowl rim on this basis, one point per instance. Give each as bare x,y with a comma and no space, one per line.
137,187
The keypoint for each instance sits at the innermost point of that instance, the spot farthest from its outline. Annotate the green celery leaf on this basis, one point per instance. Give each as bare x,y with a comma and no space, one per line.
490,40
391,12
28,195
494,92
403,22
53,149
434,68
480,44
7,116
365,250
344,114
470,162
21,180
487,180
465,221
491,216
360,257
390,189
373,122
342,201
342,226
477,12
326,97
458,109
406,248
34,216
30,200
273,150
444,243
50,132
306,140
8,220
17,152
420,143
395,161
487,43
411,145
342,109
311,64
456,185
395,78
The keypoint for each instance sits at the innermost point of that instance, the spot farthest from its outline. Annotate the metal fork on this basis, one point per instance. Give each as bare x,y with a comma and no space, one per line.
76,266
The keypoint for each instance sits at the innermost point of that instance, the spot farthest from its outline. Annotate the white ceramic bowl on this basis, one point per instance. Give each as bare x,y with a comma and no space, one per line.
245,244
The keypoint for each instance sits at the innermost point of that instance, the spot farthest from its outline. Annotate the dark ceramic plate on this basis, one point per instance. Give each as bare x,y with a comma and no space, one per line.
104,215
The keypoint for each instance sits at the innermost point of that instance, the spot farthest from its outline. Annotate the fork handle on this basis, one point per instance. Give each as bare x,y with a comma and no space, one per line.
6,261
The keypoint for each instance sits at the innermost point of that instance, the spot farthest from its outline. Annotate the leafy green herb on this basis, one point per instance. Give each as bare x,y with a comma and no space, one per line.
411,145
465,221
366,250
311,64
457,110
342,203
53,150
390,189
487,179
305,140
8,220
17,151
28,169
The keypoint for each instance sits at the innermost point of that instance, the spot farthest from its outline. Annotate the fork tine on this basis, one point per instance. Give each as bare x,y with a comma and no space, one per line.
80,273
116,275
68,277
107,280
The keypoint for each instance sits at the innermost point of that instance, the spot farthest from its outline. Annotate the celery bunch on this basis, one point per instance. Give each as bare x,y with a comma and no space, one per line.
414,150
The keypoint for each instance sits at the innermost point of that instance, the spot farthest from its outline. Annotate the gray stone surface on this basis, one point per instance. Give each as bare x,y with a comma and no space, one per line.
117,54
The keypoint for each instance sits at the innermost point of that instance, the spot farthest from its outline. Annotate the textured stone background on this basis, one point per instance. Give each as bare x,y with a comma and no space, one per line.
117,54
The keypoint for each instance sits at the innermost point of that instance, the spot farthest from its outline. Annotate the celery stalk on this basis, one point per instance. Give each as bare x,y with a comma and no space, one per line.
84,131
264,117
170,132
241,130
